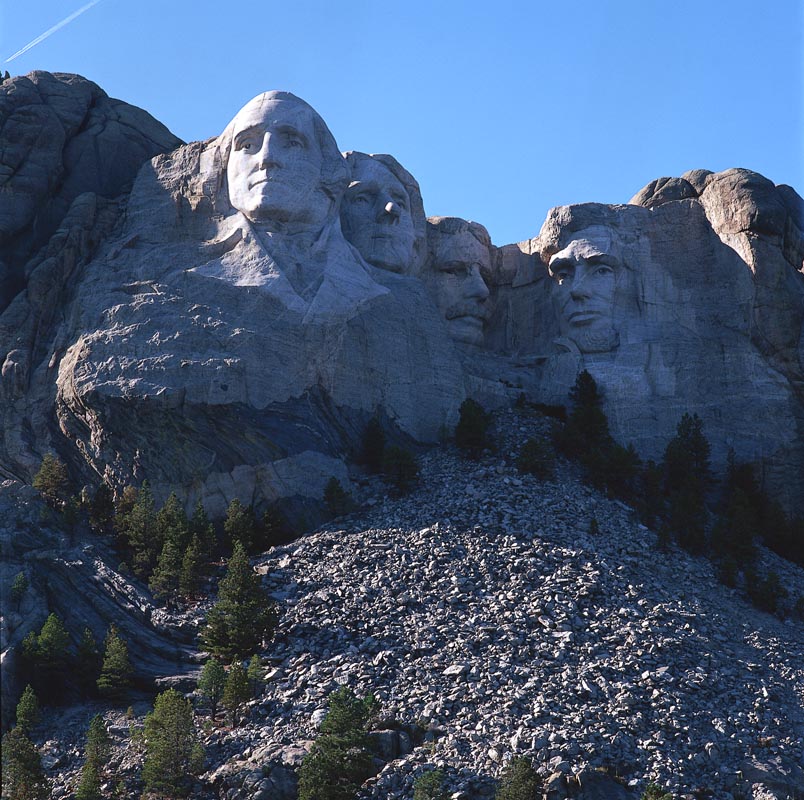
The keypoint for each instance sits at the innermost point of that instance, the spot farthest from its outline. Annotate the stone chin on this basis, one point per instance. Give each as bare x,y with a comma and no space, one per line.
466,329
594,339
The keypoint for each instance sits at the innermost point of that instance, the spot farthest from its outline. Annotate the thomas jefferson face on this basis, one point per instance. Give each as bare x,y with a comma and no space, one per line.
376,217
274,168
455,280
586,272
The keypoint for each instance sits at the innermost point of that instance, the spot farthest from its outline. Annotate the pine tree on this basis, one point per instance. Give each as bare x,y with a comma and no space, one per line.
98,741
23,776
244,615
340,760
140,530
18,589
87,658
200,527
372,446
89,787
116,671
240,525
172,751
236,691
191,569
430,786
256,674
519,781
400,469
172,523
211,683
336,499
471,432
28,710
164,582
52,481
101,509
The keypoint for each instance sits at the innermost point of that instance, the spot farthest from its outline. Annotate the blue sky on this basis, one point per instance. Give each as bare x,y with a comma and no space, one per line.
500,109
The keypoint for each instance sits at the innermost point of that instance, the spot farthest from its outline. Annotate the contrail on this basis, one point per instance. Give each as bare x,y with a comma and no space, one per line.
57,26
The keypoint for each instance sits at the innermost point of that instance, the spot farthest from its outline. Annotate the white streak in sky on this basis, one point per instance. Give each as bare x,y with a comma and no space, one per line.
56,27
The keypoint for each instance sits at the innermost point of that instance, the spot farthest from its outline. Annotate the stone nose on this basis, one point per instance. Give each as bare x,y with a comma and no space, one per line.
389,211
267,156
476,286
579,287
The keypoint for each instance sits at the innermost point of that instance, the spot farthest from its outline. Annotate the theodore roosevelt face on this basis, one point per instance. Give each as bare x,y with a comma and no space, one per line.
376,217
274,167
586,273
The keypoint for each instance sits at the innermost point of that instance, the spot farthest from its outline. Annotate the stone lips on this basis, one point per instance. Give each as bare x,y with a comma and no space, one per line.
237,352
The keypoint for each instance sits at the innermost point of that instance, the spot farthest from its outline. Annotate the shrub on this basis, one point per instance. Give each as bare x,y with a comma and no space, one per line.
236,691
765,593
430,786
653,792
537,458
18,588
243,615
372,446
519,781
336,499
471,432
400,469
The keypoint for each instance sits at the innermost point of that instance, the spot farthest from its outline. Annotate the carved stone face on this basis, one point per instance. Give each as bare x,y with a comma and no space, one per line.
275,162
376,217
586,272
454,278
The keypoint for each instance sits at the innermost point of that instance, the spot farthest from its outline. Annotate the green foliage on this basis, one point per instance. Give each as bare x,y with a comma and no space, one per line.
372,446
101,508
519,781
430,786
53,642
275,528
87,658
339,761
471,432
47,655
89,787
139,529
538,458
52,481
192,568
164,582
201,528
765,592
116,670
244,615
23,776
236,691
98,741
28,710
256,674
18,588
172,524
336,499
172,751
400,469
240,525
653,792
211,683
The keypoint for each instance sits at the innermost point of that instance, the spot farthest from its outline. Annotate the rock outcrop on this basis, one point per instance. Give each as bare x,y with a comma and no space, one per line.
227,328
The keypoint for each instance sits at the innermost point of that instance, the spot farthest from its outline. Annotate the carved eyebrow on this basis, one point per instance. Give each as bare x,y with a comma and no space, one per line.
560,263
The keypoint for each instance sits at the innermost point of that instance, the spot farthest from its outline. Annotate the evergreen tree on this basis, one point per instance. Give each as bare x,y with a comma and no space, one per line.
172,523
46,656
236,691
172,751
275,528
116,671
23,776
519,781
18,589
28,710
87,659
339,761
164,582
52,481
336,499
430,786
211,683
240,525
244,615
471,432
256,674
101,509
140,530
372,446
191,569
98,741
400,469
200,527
89,787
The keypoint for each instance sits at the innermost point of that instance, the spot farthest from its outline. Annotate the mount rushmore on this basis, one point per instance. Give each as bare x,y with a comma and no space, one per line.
222,318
